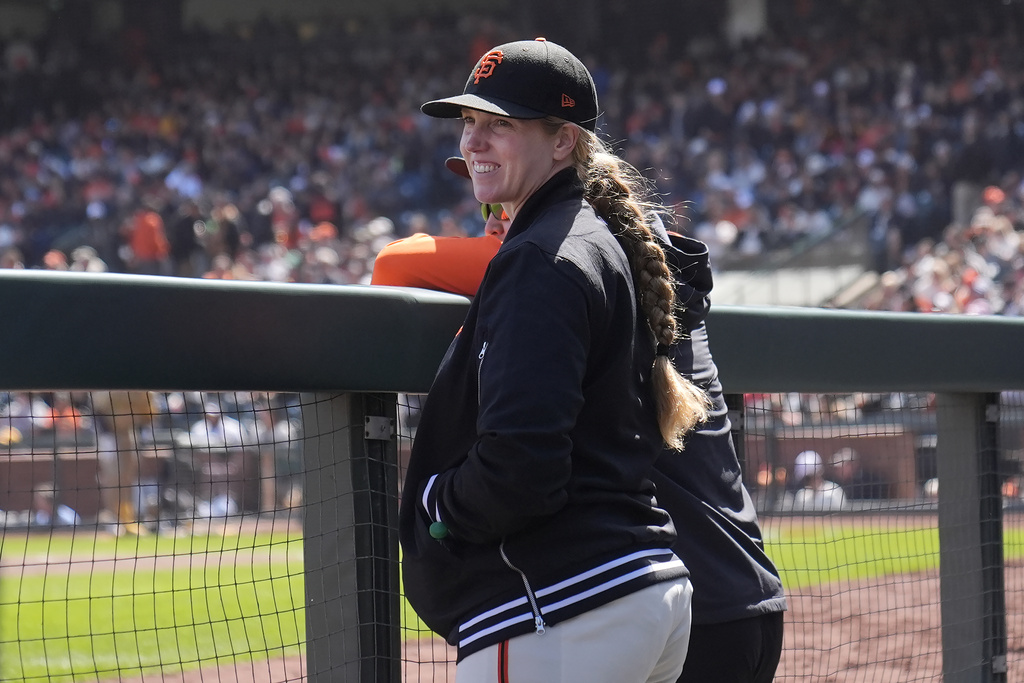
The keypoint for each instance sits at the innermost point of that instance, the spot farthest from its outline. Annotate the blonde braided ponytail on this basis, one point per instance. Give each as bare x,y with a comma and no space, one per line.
616,190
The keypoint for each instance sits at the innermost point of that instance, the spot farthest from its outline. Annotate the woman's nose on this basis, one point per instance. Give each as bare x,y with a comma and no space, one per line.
474,139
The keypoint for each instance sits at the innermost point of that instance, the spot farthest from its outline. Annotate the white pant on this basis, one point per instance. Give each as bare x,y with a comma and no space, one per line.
639,638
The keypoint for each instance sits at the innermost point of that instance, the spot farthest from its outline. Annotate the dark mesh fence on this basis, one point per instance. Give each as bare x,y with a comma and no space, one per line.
426,657
158,536
150,536
847,491
847,494
1012,417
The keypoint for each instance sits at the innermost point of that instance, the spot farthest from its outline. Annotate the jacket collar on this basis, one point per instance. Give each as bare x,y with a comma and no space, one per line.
687,257
562,186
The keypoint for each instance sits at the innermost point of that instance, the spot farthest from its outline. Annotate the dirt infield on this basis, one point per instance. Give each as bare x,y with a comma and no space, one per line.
887,629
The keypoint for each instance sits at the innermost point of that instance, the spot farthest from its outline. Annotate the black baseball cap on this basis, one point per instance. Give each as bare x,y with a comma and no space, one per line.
526,79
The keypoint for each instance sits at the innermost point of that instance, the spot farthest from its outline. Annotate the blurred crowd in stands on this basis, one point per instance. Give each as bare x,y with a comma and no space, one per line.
200,455
288,152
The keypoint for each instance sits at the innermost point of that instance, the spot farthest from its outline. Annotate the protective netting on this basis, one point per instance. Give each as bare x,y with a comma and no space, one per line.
153,536
847,493
150,536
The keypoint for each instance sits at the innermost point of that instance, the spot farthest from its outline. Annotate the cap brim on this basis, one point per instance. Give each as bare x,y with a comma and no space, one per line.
451,107
458,166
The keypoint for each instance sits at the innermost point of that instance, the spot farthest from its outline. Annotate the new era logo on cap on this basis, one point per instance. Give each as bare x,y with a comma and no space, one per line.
568,101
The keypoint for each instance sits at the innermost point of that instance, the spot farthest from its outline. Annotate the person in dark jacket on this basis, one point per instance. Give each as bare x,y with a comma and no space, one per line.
531,536
738,602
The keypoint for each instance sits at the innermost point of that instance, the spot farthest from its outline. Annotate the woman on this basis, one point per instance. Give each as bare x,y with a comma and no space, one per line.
531,537
738,599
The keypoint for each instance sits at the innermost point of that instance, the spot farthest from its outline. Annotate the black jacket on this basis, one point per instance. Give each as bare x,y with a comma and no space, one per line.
719,536
536,441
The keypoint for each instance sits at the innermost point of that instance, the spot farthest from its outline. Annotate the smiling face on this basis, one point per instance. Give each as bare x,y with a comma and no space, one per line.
509,159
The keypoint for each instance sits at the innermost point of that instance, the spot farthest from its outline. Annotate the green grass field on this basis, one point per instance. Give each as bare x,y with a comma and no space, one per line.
150,603
812,556
87,606
846,550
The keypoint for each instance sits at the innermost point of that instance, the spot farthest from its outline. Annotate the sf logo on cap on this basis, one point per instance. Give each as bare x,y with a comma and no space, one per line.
487,64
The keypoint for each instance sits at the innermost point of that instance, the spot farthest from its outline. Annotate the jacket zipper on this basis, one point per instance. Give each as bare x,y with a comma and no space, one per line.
538,618
479,369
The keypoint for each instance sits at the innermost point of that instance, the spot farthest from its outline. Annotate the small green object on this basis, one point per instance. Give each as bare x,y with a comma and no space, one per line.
438,530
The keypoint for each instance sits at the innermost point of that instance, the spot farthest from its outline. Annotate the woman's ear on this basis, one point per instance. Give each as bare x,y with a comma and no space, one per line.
565,141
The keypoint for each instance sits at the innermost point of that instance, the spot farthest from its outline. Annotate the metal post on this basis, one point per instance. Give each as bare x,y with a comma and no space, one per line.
970,539
353,630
